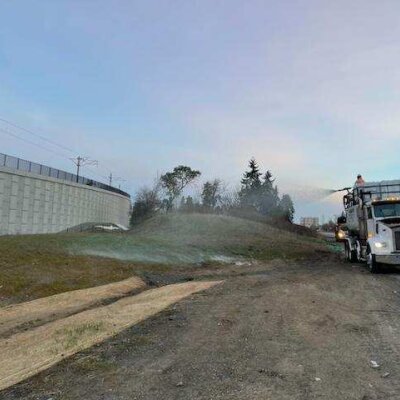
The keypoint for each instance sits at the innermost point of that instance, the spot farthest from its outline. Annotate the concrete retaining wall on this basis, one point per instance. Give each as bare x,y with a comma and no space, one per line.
31,203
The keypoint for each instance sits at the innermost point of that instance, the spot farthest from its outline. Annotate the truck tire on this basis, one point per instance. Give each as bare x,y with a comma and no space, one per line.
351,255
373,266
358,254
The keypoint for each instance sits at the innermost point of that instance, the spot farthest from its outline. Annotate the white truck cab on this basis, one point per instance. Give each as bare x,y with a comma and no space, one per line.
372,214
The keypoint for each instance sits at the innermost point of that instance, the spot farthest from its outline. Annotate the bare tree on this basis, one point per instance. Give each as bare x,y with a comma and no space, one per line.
147,203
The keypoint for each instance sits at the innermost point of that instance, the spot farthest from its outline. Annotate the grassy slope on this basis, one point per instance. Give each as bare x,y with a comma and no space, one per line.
40,265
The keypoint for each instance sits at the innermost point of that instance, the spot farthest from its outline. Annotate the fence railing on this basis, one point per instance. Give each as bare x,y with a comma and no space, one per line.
29,166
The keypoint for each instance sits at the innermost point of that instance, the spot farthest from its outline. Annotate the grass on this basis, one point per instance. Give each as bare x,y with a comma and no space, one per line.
73,335
34,266
198,238
94,363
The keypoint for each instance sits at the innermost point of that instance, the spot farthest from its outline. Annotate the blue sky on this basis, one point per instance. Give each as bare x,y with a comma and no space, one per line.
310,88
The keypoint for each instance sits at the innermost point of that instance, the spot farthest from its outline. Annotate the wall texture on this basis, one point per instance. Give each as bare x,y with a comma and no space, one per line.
31,203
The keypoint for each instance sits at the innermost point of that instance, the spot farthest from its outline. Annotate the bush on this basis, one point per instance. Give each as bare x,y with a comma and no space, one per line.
147,203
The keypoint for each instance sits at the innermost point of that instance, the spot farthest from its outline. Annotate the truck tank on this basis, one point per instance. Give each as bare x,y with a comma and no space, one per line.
353,218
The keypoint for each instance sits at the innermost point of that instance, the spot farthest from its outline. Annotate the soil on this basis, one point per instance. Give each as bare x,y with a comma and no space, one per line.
312,329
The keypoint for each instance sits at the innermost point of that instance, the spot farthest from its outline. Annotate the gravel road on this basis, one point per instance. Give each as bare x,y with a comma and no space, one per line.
314,329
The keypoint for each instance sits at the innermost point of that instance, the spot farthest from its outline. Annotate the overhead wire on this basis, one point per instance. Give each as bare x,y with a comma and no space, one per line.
32,143
38,135
49,141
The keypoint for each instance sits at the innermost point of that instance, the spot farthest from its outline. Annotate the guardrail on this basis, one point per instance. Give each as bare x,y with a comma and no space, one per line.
29,166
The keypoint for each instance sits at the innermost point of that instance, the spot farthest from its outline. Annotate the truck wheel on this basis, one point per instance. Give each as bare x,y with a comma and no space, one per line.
358,254
346,251
351,255
373,266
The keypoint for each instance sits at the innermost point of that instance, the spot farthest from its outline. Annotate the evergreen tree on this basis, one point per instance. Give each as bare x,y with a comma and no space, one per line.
251,185
251,179
287,208
269,199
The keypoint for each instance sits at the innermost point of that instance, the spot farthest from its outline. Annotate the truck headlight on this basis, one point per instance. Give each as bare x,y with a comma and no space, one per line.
379,245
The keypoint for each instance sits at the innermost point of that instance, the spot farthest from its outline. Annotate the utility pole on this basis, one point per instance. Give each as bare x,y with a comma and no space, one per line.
112,178
80,162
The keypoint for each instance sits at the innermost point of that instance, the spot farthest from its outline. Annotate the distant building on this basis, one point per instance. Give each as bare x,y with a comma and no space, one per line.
309,221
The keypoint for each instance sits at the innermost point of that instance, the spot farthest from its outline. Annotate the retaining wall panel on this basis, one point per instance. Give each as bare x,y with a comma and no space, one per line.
31,203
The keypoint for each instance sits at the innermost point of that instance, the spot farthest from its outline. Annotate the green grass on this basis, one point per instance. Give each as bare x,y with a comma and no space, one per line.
198,238
72,336
33,266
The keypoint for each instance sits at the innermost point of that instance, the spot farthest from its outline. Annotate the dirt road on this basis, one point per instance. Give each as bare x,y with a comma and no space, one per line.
286,330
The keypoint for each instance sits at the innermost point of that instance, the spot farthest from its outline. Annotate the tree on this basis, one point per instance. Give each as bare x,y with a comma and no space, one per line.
287,208
174,182
259,193
269,197
330,226
251,184
187,204
147,202
230,199
210,194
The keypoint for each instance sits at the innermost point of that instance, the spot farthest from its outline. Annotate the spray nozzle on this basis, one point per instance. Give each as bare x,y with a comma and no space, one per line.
342,190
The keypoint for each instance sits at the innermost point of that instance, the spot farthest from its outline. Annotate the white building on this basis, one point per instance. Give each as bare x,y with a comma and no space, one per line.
309,221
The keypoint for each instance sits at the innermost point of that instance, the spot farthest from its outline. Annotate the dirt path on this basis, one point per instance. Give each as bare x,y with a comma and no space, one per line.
305,330
38,311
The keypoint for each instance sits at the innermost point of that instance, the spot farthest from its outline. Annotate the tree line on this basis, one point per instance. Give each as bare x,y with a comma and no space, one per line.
257,196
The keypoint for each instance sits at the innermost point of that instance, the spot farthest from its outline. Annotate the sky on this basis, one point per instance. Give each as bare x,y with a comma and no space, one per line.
310,88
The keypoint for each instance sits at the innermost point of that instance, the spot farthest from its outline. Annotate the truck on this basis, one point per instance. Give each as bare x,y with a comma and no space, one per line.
372,220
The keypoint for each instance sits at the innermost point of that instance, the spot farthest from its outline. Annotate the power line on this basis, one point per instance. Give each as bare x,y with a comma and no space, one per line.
32,143
45,148
45,139
111,178
61,146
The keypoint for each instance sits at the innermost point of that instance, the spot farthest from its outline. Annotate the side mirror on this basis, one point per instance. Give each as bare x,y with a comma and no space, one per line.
341,220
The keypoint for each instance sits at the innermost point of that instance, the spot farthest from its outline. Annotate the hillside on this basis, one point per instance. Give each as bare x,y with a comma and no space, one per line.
198,238
34,266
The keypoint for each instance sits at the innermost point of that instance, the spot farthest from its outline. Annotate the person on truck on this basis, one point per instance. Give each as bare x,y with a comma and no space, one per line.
358,189
360,181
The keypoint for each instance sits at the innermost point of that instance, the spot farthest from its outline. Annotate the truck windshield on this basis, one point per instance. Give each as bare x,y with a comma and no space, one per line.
387,210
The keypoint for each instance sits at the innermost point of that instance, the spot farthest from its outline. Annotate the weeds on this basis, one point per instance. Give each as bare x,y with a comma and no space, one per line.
72,336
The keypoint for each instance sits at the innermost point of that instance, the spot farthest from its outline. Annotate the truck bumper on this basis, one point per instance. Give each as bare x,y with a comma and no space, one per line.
392,259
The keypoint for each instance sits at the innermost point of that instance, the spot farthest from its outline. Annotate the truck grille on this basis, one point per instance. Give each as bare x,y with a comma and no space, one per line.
397,239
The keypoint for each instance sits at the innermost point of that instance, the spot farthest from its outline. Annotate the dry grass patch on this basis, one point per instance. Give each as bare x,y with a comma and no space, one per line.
63,304
28,353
